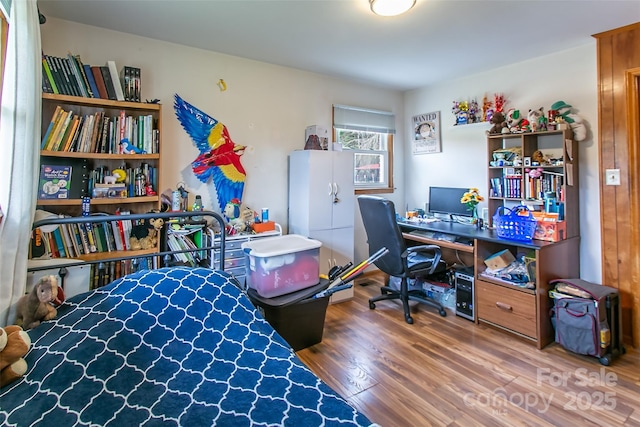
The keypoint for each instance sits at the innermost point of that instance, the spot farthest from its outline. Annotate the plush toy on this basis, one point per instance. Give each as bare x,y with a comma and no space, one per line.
499,123
37,305
537,120
145,234
14,345
577,124
516,122
233,212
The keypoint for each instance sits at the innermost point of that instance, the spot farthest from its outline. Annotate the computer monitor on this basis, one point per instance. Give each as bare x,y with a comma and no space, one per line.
446,201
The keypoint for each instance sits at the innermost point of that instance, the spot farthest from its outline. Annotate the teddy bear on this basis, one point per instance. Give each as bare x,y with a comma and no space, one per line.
145,234
499,123
516,122
577,123
14,345
37,305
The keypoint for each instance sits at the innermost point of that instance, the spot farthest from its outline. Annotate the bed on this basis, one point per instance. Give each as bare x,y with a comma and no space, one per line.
172,346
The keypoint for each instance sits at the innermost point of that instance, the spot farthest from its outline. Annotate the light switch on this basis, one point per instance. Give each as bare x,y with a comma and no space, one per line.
612,176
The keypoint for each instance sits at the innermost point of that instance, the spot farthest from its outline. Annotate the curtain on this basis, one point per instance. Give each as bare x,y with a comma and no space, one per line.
20,124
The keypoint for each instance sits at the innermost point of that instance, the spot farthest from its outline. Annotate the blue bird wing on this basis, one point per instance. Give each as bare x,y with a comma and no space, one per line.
195,122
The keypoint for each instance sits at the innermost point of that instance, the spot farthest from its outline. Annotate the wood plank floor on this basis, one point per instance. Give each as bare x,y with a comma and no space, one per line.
450,372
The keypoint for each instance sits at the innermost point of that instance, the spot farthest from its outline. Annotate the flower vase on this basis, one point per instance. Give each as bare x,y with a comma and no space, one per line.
474,213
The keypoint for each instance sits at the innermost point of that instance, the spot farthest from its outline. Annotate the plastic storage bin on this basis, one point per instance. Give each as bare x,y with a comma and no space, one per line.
280,265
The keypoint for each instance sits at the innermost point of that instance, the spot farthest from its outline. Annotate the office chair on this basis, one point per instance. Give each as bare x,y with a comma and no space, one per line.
379,218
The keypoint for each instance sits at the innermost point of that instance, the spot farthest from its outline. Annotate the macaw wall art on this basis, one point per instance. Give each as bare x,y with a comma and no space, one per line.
219,158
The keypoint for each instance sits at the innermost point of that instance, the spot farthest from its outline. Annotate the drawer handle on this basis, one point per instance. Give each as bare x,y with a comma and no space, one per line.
503,306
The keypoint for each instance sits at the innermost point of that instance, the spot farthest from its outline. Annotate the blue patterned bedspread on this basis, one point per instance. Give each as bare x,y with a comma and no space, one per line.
175,346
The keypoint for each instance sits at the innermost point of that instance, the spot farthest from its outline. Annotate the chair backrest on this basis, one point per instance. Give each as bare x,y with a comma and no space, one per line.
379,219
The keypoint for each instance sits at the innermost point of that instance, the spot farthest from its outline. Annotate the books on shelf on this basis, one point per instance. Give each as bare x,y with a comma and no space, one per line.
70,76
98,133
55,182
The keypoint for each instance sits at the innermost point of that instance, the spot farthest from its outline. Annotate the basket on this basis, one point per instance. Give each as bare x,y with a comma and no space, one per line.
515,224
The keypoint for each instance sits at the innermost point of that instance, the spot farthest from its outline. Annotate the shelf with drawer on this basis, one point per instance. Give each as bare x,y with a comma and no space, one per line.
513,309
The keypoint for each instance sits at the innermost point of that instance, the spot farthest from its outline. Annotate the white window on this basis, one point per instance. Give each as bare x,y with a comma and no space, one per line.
369,134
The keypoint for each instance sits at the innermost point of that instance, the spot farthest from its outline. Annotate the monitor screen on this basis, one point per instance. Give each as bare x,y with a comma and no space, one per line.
446,200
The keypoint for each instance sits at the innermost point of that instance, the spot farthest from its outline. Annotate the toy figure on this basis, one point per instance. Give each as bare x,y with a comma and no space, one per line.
499,101
487,110
577,124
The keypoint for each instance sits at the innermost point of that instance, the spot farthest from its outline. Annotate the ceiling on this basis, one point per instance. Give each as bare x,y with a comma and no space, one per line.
437,40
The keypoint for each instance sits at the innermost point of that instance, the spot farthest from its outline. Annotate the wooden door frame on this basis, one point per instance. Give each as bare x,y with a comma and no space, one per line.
632,89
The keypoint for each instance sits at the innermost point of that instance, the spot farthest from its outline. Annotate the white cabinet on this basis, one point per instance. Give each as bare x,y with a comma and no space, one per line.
321,205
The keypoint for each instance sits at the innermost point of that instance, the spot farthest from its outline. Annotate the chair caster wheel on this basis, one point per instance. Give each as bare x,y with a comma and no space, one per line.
442,312
372,305
409,319
605,360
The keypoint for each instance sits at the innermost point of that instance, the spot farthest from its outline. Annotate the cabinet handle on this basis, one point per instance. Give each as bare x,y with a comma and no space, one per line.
503,306
330,190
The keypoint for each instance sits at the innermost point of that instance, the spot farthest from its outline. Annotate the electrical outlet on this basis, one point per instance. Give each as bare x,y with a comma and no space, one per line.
612,176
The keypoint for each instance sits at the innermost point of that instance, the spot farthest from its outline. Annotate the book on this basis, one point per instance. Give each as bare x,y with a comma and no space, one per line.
127,82
97,77
55,182
137,97
47,70
68,75
53,138
78,79
57,142
52,123
73,128
115,79
46,84
56,73
106,76
88,72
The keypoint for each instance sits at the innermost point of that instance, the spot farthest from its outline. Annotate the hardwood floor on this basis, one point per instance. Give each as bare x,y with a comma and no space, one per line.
450,372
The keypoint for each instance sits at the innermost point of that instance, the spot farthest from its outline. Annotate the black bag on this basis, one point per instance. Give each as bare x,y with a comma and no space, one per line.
589,320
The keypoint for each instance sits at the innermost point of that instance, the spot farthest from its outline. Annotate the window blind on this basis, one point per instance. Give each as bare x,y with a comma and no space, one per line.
362,119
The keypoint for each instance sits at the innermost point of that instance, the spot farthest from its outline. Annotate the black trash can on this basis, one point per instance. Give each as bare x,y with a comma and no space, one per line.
297,317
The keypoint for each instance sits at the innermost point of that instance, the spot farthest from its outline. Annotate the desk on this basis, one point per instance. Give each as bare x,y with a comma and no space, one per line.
520,311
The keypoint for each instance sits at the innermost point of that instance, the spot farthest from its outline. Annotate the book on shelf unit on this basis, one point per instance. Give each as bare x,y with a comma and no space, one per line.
106,76
115,79
55,182
97,77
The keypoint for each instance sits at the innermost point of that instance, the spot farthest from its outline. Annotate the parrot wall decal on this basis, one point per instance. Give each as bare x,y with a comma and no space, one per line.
219,158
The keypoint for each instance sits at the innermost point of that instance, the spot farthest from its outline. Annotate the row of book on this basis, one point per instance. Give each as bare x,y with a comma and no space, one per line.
535,188
106,272
69,76
190,239
77,239
69,131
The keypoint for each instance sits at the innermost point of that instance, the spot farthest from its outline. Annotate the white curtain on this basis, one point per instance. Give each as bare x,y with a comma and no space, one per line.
19,150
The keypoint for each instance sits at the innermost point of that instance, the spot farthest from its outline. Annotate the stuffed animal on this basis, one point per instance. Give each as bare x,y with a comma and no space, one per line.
537,120
516,122
36,306
145,234
499,123
14,345
577,123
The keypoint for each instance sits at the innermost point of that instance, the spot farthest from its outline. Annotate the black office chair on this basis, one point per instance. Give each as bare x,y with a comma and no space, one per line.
379,218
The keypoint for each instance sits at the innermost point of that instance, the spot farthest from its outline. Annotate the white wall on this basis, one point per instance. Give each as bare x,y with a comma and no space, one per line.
266,107
569,76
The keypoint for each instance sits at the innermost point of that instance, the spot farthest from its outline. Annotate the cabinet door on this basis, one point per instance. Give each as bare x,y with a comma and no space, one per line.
343,200
320,190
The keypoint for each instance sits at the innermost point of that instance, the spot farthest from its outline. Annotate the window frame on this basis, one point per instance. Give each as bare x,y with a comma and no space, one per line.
372,189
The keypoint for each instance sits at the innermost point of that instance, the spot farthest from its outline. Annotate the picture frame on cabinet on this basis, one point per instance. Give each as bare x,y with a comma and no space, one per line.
526,161
427,134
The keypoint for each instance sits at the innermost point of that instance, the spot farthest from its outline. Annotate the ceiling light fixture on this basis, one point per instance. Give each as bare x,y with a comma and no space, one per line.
391,7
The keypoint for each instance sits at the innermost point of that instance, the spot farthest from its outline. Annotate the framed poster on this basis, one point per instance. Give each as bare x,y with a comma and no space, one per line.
426,129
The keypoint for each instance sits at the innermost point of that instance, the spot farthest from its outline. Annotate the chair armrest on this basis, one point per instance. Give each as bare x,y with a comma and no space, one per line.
423,248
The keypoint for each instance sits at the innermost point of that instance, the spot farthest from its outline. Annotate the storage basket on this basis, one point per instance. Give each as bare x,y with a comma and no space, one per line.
515,224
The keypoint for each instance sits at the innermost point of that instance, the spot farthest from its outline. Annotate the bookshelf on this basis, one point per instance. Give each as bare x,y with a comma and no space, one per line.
101,156
106,156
